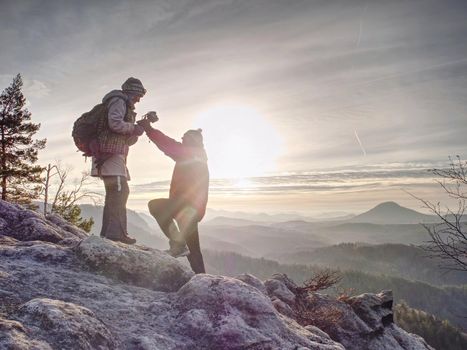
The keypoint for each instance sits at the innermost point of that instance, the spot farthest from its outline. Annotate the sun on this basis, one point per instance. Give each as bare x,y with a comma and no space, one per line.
239,141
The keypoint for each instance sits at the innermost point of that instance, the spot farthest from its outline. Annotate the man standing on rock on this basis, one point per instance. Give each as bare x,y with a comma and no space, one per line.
178,215
116,133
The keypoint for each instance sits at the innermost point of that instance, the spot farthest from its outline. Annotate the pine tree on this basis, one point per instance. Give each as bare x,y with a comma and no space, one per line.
72,213
438,333
19,177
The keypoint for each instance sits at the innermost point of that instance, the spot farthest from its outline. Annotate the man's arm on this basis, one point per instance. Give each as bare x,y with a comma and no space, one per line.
117,110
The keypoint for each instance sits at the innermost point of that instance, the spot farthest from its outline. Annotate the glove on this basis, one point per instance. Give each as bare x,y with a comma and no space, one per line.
137,131
145,124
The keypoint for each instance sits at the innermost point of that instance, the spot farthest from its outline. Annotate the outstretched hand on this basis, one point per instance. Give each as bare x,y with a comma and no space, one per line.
145,124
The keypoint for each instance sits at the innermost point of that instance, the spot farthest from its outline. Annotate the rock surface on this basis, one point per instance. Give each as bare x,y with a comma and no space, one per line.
13,335
60,289
28,225
360,322
137,265
234,315
65,325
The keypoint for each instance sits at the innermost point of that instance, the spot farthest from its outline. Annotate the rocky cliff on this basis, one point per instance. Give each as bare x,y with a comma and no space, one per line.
63,289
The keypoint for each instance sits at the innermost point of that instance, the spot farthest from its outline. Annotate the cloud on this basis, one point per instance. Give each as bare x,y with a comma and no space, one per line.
35,88
377,177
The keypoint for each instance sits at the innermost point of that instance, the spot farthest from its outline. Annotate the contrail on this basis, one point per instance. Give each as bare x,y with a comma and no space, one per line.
361,26
360,143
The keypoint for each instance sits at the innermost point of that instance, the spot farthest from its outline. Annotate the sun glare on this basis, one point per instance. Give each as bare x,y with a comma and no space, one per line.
239,141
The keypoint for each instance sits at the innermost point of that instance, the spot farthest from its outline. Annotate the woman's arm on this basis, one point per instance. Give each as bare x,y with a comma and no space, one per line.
173,149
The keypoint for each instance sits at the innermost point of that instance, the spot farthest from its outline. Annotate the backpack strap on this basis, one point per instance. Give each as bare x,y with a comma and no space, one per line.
127,103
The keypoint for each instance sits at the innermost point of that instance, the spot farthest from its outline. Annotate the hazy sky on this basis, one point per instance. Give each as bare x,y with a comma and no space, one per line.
335,105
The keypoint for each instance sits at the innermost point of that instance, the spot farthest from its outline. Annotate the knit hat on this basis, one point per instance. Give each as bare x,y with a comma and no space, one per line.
134,85
193,138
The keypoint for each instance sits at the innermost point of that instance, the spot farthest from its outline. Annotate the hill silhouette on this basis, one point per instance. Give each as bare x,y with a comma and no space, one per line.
392,213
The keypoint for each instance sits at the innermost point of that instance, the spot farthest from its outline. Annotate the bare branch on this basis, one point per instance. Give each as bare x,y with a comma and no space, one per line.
448,238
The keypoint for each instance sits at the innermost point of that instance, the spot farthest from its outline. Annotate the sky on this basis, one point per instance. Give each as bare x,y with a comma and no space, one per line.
306,106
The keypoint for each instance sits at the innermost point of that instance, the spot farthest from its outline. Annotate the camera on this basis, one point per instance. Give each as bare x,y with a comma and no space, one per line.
151,116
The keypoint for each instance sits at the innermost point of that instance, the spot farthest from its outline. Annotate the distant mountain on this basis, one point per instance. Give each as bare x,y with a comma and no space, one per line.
263,218
258,240
147,218
343,232
335,218
224,220
211,243
392,213
268,238
399,260
255,217
386,213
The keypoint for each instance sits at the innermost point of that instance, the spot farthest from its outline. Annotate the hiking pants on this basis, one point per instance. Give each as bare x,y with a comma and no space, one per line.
114,221
165,211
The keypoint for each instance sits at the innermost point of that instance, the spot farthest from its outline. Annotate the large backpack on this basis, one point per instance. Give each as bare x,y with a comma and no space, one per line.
85,130
87,127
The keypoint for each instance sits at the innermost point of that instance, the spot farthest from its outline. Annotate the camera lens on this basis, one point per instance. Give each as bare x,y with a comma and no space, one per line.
152,116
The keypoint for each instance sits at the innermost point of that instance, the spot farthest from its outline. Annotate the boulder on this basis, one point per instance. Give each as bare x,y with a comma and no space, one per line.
368,315
13,335
36,251
253,281
65,325
277,288
29,225
374,309
282,307
225,313
137,265
69,230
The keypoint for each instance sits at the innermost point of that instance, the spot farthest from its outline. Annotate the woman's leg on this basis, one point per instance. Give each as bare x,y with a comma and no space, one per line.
187,220
162,209
195,258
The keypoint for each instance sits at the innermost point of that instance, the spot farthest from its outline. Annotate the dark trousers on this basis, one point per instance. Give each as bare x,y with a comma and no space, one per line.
165,211
114,224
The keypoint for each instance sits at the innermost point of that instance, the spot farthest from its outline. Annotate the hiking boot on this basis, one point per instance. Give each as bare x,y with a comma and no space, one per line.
124,239
127,240
178,250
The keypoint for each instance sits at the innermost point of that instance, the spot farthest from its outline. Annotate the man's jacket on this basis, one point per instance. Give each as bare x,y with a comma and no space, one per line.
114,136
190,178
